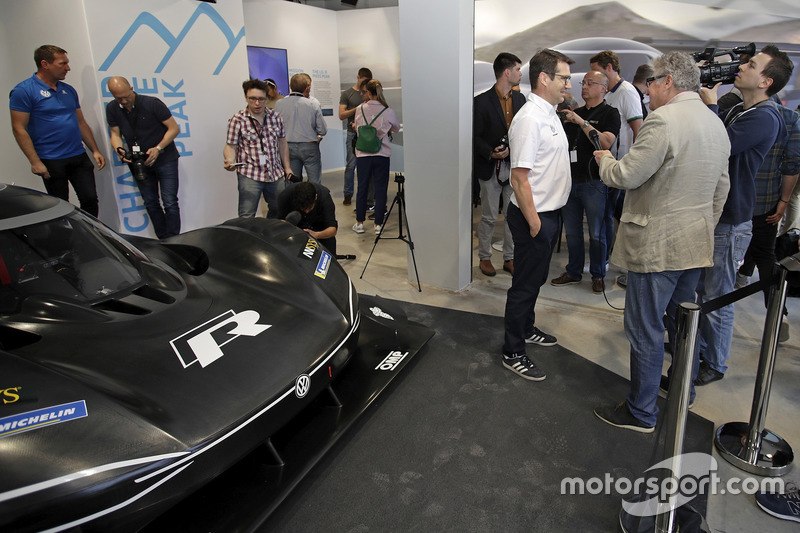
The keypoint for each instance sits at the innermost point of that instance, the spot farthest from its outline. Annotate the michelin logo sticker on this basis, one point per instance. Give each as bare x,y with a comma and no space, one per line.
378,312
323,265
11,425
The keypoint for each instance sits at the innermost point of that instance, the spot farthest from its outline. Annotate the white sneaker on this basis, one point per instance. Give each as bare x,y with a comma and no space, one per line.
378,228
358,227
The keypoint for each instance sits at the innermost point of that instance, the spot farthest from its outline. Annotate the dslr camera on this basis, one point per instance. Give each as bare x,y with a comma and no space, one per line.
137,159
714,72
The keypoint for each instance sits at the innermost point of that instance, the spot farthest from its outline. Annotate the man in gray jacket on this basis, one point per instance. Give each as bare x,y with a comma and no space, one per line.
676,175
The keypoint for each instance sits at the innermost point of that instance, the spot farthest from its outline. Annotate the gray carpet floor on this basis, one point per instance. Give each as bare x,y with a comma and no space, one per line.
459,443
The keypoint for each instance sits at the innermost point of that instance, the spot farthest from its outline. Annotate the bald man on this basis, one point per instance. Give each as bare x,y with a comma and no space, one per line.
148,129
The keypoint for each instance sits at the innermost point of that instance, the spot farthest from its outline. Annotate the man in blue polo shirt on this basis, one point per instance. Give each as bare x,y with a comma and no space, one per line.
48,124
149,128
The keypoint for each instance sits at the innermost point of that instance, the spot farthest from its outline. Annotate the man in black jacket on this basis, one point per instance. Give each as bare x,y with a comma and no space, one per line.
492,114
313,211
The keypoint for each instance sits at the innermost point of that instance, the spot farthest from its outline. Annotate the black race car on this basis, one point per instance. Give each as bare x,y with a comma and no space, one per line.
133,371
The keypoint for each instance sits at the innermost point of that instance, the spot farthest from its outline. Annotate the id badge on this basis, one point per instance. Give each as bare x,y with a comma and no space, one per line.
262,160
573,156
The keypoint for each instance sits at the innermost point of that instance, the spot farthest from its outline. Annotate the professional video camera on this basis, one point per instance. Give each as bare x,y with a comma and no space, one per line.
714,72
137,159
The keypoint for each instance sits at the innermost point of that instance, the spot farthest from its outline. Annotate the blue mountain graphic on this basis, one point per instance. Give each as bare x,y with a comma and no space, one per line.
147,19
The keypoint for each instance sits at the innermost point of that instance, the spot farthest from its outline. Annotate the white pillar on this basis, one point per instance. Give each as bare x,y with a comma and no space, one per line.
436,50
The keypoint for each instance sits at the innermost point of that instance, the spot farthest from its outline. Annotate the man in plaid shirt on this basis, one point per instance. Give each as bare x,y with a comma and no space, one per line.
256,148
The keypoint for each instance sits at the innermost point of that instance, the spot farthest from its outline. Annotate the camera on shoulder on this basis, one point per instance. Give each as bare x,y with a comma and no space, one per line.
714,72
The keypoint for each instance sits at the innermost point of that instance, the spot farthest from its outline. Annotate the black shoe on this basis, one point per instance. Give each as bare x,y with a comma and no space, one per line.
707,375
663,389
621,417
524,367
541,338
785,506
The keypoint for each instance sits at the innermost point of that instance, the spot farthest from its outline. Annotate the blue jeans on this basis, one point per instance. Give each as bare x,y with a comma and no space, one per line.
531,266
350,163
306,155
648,297
373,167
716,328
590,198
250,192
162,175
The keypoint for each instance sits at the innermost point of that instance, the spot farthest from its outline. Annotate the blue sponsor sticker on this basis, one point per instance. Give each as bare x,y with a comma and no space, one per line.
11,425
323,265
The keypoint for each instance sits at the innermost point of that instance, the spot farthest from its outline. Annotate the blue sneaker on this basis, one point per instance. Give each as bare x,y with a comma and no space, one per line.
524,367
785,506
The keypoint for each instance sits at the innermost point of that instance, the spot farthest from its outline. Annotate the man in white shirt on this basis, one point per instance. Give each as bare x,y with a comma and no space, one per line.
540,177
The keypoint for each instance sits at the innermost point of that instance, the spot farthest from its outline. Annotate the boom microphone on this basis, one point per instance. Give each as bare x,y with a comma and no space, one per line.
595,139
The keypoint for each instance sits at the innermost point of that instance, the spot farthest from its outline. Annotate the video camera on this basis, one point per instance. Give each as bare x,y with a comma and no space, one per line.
715,72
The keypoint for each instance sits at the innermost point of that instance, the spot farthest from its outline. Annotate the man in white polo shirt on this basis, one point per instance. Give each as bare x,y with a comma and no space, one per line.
540,177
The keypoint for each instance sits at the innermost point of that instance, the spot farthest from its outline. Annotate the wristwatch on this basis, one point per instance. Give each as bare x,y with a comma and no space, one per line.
585,124
160,150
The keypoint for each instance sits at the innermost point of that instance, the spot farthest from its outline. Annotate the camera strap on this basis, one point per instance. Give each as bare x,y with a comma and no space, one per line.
135,114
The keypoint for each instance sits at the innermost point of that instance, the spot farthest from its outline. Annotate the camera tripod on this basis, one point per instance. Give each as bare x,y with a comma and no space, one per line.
400,201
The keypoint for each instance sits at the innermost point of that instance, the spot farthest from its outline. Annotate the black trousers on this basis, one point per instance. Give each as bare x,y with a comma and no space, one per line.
77,170
761,252
531,267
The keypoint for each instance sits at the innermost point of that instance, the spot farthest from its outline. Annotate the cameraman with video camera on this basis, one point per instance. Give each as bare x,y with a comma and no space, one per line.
149,130
753,127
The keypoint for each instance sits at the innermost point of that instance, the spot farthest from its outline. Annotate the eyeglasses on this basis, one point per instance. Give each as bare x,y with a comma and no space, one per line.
588,83
648,81
256,99
562,76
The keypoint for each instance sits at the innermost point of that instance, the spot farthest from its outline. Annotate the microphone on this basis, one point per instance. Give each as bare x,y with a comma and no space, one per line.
294,218
595,139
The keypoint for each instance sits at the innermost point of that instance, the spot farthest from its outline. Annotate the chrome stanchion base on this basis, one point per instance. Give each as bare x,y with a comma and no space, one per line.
773,458
687,520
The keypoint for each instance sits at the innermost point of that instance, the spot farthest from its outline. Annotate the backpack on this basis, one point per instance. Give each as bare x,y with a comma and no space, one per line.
368,140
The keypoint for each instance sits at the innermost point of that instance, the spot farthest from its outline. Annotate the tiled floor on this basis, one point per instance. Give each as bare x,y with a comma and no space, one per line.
586,323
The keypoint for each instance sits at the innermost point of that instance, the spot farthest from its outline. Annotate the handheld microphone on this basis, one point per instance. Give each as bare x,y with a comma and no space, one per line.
595,139
294,218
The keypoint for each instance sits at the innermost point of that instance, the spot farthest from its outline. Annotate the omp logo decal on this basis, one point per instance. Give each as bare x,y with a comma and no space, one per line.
11,425
173,41
10,395
377,311
323,265
391,361
302,385
204,343
309,249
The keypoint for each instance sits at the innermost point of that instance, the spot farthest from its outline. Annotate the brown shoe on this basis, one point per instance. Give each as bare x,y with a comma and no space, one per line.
347,199
563,279
508,266
598,285
487,268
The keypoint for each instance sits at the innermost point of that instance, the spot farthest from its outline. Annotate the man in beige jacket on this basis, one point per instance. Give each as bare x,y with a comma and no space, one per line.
676,175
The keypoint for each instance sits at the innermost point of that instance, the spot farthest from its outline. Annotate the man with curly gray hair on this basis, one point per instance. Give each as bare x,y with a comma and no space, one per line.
676,175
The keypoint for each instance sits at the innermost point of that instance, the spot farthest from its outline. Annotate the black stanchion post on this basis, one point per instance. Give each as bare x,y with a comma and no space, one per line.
750,446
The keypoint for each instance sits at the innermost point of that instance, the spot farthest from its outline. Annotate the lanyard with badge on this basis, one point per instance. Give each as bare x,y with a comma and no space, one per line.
262,157
135,148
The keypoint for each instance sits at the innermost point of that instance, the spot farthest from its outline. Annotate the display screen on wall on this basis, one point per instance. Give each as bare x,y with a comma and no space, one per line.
269,63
